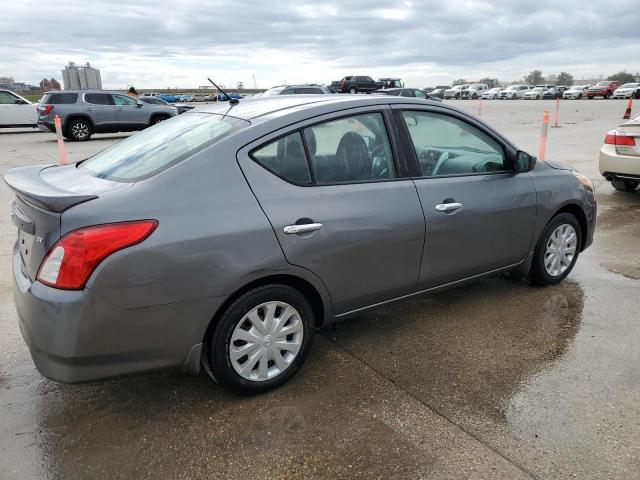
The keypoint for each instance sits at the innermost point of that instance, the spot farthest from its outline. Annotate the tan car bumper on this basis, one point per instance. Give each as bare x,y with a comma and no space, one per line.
612,162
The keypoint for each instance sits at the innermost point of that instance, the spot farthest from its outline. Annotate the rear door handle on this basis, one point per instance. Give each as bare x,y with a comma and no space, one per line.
304,228
448,207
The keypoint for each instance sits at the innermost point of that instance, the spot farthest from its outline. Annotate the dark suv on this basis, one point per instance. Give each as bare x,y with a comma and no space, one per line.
84,113
354,84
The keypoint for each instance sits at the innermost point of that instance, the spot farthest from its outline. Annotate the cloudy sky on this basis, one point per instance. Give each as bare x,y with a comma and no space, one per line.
160,43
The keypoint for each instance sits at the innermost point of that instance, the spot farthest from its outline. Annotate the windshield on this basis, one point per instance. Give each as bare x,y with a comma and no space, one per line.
538,89
155,149
629,85
603,84
273,91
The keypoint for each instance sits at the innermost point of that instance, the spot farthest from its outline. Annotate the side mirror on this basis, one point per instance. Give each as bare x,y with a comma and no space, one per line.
139,104
524,162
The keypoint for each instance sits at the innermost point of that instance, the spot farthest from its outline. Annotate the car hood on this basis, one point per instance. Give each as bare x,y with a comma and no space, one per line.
558,165
625,89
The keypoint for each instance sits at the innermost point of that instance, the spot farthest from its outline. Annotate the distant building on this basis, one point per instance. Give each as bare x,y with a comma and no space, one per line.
81,77
19,87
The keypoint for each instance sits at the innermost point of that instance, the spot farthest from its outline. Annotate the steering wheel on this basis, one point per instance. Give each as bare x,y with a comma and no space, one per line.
444,156
376,171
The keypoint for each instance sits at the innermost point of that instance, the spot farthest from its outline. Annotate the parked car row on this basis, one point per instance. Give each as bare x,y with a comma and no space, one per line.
363,84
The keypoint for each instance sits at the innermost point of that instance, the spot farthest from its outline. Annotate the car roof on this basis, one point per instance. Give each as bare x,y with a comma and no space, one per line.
254,108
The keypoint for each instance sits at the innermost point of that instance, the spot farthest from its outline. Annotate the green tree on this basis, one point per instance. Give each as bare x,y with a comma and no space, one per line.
622,77
534,77
564,78
460,81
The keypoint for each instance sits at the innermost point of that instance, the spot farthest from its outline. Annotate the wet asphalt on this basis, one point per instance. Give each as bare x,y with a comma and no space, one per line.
495,379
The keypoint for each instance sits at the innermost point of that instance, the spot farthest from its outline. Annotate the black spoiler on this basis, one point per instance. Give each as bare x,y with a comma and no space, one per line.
29,186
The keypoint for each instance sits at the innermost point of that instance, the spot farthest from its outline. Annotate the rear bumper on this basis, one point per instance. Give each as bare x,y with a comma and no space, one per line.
612,161
46,126
76,336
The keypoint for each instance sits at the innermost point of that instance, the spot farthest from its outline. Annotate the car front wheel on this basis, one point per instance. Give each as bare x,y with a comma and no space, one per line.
261,339
352,91
557,250
624,185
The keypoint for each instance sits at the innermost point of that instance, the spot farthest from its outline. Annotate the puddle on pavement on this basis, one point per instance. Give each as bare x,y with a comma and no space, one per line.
467,351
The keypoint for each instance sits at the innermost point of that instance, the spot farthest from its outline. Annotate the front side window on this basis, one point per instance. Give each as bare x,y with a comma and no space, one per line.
123,100
447,146
155,149
286,158
7,99
352,149
420,94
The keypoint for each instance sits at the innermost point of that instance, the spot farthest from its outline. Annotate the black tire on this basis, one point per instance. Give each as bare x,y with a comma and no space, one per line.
589,98
353,91
624,185
606,97
538,273
158,118
579,96
217,345
474,96
79,130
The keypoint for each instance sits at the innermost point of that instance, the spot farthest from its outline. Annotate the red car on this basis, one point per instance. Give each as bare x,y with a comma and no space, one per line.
602,89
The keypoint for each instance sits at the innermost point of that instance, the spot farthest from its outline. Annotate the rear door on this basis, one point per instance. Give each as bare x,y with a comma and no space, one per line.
341,206
128,113
479,214
101,110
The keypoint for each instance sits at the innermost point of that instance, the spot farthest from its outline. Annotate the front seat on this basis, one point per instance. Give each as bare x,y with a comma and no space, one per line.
353,156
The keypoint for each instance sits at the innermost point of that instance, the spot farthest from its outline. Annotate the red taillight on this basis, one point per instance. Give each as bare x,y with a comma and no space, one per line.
618,138
46,109
75,256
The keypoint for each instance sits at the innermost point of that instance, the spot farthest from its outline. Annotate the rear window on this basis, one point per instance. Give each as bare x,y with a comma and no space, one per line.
155,149
60,98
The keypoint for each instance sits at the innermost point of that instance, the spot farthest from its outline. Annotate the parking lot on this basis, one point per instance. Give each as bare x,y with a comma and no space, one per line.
496,379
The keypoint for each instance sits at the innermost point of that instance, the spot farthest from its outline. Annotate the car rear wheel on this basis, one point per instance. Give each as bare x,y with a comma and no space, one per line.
624,185
79,130
261,339
557,250
579,96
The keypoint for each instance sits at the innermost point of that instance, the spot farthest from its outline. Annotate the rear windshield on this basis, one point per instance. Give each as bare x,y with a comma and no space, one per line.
59,98
155,149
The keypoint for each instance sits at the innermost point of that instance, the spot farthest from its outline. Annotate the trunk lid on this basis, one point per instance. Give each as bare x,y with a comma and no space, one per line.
43,193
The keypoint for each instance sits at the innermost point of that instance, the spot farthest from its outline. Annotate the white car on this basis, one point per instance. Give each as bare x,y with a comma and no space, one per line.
535,93
16,111
492,94
620,156
626,90
513,92
576,92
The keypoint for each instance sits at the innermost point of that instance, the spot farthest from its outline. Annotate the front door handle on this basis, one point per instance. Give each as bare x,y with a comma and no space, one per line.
448,207
304,228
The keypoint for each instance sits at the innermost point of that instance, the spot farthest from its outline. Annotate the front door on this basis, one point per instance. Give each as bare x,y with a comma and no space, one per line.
480,215
14,110
340,209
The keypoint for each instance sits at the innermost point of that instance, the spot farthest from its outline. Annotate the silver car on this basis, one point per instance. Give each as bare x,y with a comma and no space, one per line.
223,238
85,112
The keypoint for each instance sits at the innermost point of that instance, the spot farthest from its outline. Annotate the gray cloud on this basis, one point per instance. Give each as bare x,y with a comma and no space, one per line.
164,43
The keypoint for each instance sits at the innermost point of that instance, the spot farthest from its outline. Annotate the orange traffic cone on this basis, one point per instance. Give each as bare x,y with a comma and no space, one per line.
627,113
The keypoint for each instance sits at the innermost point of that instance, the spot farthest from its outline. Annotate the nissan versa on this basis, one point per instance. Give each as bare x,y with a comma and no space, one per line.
223,238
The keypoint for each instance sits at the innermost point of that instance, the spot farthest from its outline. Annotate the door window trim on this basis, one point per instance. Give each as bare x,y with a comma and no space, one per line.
399,161
410,152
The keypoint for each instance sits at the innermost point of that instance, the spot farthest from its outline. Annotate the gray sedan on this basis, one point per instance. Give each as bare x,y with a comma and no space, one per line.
223,238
